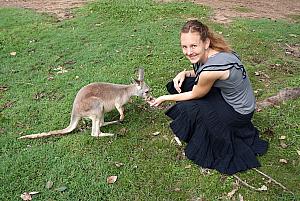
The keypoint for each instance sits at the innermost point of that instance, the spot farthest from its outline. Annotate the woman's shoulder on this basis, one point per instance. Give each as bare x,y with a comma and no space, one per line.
223,58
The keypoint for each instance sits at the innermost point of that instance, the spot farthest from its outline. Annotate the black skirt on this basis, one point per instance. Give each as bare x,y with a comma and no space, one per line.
217,136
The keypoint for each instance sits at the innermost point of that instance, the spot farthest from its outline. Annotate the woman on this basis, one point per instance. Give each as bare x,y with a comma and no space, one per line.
215,104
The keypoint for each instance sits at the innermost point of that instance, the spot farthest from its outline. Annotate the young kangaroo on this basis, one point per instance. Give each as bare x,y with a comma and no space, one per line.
95,99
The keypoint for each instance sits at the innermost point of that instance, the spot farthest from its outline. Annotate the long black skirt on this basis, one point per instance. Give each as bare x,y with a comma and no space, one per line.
217,136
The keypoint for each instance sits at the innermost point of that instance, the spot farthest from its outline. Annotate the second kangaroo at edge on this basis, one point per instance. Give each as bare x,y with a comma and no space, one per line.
94,100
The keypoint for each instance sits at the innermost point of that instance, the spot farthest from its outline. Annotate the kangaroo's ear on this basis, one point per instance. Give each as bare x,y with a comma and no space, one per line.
135,81
141,74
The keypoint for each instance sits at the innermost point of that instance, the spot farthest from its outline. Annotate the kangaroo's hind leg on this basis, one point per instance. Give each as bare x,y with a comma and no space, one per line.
121,112
101,124
97,122
95,126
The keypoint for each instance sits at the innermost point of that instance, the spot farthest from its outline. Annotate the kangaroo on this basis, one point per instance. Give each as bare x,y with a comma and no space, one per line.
95,99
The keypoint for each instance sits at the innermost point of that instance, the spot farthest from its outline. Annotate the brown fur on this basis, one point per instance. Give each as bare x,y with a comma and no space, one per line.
95,99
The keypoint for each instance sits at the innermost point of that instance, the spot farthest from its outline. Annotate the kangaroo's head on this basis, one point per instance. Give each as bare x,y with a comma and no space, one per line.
142,88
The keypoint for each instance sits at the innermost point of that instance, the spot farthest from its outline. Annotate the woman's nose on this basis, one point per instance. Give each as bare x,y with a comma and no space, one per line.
189,51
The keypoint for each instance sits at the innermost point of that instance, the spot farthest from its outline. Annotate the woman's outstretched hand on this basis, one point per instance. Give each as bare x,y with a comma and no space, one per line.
156,101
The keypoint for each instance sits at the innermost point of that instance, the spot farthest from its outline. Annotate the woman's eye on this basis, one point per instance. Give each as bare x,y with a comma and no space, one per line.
194,46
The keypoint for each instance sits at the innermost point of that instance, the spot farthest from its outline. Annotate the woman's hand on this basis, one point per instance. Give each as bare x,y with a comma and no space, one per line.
178,80
157,101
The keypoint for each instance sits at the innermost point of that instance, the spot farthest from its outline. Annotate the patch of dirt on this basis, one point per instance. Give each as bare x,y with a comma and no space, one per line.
224,10
58,8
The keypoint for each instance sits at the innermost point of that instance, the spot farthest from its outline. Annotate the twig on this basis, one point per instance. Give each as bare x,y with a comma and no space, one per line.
276,182
265,175
25,83
288,46
245,183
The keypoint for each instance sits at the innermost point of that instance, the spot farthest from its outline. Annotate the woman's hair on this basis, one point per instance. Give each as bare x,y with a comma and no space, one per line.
216,42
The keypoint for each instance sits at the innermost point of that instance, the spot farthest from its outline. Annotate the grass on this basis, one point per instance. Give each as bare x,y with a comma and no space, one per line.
107,41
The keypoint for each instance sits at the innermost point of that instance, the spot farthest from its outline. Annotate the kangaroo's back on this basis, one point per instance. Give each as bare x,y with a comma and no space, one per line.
99,94
95,99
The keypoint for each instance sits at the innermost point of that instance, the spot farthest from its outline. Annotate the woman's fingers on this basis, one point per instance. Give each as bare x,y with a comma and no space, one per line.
177,88
177,84
152,102
155,102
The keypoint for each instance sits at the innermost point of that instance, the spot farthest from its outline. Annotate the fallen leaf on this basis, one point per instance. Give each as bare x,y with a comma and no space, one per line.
235,188
269,181
50,78
111,179
118,164
13,53
263,188
156,133
283,145
49,184
177,189
123,131
61,189
60,70
165,137
258,109
283,161
293,35
34,193
256,73
188,166
283,137
231,193
3,88
241,198
298,152
26,196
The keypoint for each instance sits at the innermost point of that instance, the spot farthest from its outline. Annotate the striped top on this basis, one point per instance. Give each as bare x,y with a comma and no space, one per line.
236,90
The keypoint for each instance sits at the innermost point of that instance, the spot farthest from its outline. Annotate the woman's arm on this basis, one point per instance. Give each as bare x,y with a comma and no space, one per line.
206,81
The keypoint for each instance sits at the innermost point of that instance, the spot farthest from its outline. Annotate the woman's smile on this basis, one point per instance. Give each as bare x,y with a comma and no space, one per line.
192,46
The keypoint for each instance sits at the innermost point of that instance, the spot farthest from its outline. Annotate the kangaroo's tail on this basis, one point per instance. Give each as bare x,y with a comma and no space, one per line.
73,123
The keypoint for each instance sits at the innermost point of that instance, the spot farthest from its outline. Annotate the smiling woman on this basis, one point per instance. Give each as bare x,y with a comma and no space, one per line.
215,104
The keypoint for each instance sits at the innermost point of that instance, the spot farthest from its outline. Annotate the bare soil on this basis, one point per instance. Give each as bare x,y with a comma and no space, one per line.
58,8
224,10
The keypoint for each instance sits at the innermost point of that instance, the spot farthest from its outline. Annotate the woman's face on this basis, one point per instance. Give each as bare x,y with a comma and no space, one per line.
193,47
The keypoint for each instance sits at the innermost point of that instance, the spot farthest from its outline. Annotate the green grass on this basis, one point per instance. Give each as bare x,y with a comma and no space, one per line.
107,41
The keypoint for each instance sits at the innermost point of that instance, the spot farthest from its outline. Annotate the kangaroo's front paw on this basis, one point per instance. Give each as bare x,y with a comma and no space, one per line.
95,134
105,134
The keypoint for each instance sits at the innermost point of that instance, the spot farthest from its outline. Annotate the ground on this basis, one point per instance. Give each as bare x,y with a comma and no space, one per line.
224,10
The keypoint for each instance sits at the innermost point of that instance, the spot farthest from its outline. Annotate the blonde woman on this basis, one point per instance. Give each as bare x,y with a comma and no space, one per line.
214,104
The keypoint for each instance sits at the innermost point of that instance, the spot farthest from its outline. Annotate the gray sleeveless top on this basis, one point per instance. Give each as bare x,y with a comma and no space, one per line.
236,90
